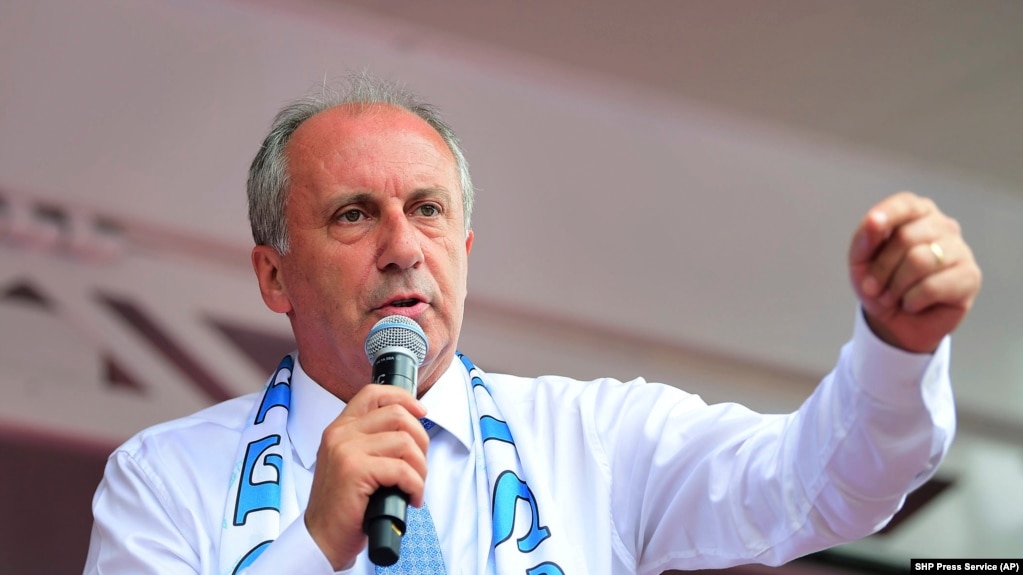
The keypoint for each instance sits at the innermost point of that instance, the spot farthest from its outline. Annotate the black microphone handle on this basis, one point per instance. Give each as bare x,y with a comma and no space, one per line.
385,514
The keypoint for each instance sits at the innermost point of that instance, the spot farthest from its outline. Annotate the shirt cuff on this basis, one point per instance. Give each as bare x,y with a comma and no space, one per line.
891,375
295,552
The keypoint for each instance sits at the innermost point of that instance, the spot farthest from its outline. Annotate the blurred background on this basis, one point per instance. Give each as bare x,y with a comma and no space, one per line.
666,189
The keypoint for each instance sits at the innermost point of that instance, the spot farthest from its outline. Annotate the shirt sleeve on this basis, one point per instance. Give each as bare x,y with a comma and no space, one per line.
140,528
132,530
697,486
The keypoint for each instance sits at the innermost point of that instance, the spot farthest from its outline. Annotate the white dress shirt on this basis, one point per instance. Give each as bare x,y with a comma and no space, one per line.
634,477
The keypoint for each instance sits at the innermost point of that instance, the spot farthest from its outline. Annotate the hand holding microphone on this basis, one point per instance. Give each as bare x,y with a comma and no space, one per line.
376,441
396,346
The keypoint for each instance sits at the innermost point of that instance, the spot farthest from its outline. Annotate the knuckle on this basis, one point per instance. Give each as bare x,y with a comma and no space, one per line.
331,435
407,446
367,393
416,468
976,275
880,269
927,291
901,236
415,480
921,257
921,296
393,412
953,225
910,201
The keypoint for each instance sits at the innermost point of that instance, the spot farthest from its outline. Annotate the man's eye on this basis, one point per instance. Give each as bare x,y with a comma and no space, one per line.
352,216
428,210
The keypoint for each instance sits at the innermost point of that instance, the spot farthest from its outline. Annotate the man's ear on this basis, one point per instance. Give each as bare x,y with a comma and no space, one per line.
468,241
266,262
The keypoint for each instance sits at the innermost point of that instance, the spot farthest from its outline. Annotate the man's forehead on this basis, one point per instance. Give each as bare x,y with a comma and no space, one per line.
357,141
331,131
350,118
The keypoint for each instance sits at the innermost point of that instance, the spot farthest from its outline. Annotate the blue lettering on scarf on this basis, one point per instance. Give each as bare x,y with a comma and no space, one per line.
493,428
279,393
254,496
251,557
469,367
509,488
507,491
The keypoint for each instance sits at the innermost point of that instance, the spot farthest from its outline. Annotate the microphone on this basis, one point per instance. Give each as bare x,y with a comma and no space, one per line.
396,346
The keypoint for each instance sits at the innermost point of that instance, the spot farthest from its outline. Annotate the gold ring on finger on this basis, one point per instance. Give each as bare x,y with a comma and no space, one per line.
939,254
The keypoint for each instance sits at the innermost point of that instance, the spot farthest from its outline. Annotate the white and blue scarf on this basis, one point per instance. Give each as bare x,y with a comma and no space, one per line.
262,499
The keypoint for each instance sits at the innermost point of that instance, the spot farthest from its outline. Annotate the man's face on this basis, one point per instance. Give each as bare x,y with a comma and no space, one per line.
376,224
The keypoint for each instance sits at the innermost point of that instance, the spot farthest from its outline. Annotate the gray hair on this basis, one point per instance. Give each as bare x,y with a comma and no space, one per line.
268,176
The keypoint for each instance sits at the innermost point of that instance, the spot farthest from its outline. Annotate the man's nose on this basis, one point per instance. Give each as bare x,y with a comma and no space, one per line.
400,244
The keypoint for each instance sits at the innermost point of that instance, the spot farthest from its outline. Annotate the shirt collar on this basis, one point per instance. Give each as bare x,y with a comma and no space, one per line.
447,403
313,408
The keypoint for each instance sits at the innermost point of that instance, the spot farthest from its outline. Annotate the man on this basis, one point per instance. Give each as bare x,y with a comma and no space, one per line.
360,207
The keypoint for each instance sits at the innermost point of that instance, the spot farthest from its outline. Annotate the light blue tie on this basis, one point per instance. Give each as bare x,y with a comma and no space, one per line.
420,548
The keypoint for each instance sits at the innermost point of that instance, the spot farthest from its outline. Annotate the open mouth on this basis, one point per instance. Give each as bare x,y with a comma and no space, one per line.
405,302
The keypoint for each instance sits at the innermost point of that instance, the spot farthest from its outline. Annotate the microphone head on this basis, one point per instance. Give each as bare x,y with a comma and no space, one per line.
397,331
